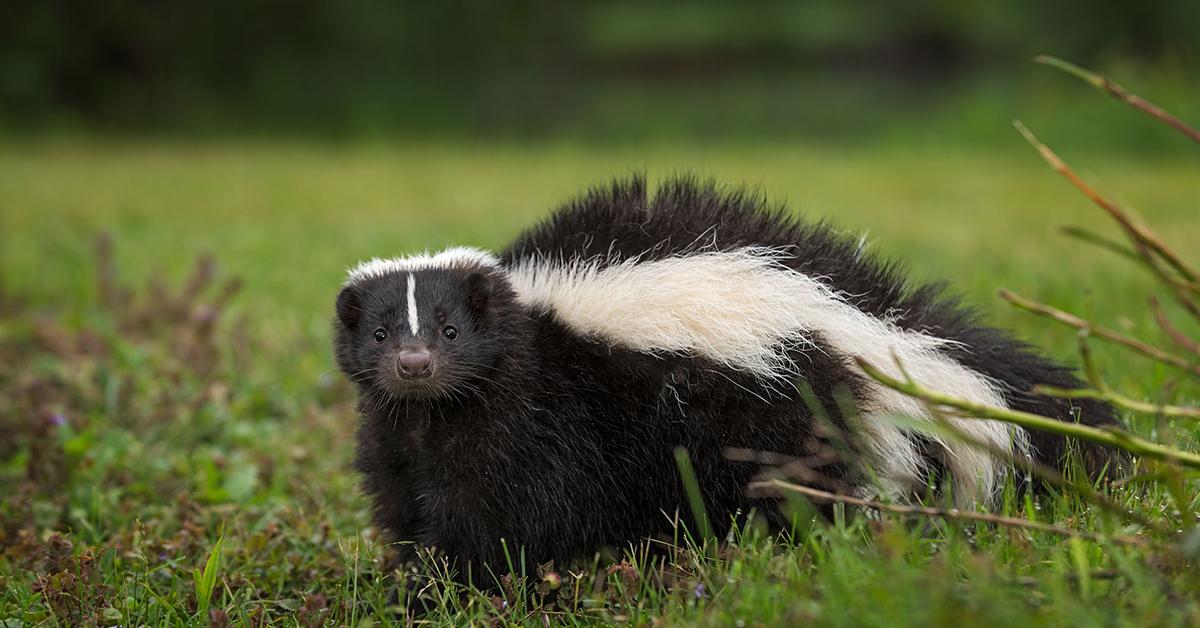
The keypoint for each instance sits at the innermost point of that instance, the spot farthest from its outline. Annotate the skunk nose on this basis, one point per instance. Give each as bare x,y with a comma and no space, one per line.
413,364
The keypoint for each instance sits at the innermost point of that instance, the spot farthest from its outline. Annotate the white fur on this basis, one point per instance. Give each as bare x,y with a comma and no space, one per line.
412,305
744,309
456,257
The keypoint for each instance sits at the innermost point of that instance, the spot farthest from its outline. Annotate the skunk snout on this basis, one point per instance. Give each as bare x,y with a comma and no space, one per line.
413,364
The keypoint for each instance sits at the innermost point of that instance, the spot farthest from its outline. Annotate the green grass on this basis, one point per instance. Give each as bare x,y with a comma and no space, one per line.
179,445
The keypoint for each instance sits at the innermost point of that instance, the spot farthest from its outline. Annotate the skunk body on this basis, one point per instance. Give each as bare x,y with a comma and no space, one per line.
537,397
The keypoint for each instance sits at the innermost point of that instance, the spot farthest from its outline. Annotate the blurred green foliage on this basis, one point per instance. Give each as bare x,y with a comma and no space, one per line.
537,68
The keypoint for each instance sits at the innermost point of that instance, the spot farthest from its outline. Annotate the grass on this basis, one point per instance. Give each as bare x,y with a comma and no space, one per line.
167,448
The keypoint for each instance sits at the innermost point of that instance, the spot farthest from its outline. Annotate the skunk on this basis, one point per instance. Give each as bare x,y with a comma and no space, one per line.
530,403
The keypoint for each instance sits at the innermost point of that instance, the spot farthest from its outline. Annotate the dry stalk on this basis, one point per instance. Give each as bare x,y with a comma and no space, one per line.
1112,88
1145,242
1117,399
972,410
780,486
1115,247
1180,338
1049,475
1071,320
1096,239
1101,390
1044,472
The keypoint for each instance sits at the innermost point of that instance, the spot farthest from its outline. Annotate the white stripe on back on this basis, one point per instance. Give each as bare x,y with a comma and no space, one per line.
745,308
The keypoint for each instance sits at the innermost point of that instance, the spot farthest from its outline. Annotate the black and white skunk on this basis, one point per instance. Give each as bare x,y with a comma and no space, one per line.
537,396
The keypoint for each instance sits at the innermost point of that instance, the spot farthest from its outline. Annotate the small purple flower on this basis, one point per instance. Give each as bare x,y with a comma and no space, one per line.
56,419
698,592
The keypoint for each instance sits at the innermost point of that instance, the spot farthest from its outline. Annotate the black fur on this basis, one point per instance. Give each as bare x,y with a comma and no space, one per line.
561,445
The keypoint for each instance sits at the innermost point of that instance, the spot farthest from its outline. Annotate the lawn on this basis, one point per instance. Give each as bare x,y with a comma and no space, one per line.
144,430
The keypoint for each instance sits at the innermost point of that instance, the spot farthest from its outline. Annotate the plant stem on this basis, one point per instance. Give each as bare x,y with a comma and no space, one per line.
1118,399
1171,330
1050,475
1145,242
1096,239
1109,437
1112,88
1071,320
777,485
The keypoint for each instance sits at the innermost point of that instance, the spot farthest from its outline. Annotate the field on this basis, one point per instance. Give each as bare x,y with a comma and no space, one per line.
146,432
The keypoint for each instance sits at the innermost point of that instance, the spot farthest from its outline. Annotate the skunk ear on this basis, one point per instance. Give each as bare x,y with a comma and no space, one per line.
479,288
349,307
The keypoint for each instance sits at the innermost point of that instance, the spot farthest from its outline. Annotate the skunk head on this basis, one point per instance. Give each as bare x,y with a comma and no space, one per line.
427,326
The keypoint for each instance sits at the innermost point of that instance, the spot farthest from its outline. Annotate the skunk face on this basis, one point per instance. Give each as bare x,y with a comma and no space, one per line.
418,333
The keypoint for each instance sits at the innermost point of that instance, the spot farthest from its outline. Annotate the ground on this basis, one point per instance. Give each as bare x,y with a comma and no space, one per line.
149,425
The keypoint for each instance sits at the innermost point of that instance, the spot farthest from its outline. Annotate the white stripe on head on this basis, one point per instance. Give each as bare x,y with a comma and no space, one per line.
412,304
745,309
456,257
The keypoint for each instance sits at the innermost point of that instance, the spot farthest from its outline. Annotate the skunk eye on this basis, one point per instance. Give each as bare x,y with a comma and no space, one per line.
450,332
380,334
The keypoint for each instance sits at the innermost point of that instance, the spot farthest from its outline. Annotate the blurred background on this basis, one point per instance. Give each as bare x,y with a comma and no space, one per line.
608,72
183,184
291,139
